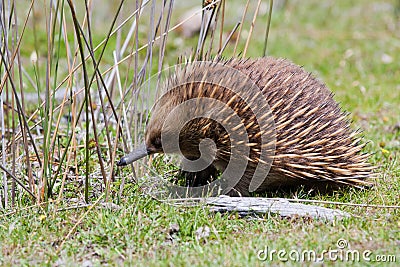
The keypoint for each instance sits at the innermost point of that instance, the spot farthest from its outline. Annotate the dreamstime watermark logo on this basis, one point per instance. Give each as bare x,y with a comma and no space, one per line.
342,253
220,98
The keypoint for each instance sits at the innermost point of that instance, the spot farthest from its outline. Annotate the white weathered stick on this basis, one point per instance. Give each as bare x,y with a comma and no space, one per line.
279,206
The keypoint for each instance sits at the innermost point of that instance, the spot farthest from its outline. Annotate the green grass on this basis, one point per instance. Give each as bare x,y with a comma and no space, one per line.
341,42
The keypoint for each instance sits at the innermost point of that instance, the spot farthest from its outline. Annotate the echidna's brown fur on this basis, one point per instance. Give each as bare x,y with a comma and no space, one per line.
314,141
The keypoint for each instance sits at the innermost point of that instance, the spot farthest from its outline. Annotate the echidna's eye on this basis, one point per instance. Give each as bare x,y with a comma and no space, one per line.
157,143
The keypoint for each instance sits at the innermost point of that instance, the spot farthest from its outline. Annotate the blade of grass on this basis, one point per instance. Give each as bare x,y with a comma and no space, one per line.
90,82
90,102
271,3
22,119
19,105
205,26
219,54
20,74
251,29
3,153
240,27
17,180
71,231
213,27
222,25
87,91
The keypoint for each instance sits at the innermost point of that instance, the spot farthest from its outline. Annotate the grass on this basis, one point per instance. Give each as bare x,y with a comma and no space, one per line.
351,45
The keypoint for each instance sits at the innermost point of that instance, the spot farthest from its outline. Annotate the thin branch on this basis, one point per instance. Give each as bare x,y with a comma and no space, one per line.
251,29
17,180
271,3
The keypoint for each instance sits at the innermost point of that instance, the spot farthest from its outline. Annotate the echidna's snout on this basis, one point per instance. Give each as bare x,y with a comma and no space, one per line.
152,143
138,153
151,146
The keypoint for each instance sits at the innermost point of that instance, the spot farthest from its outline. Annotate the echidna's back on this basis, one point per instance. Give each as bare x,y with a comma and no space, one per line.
314,140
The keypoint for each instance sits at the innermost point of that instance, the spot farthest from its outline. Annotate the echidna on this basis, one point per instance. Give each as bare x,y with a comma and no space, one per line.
286,119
